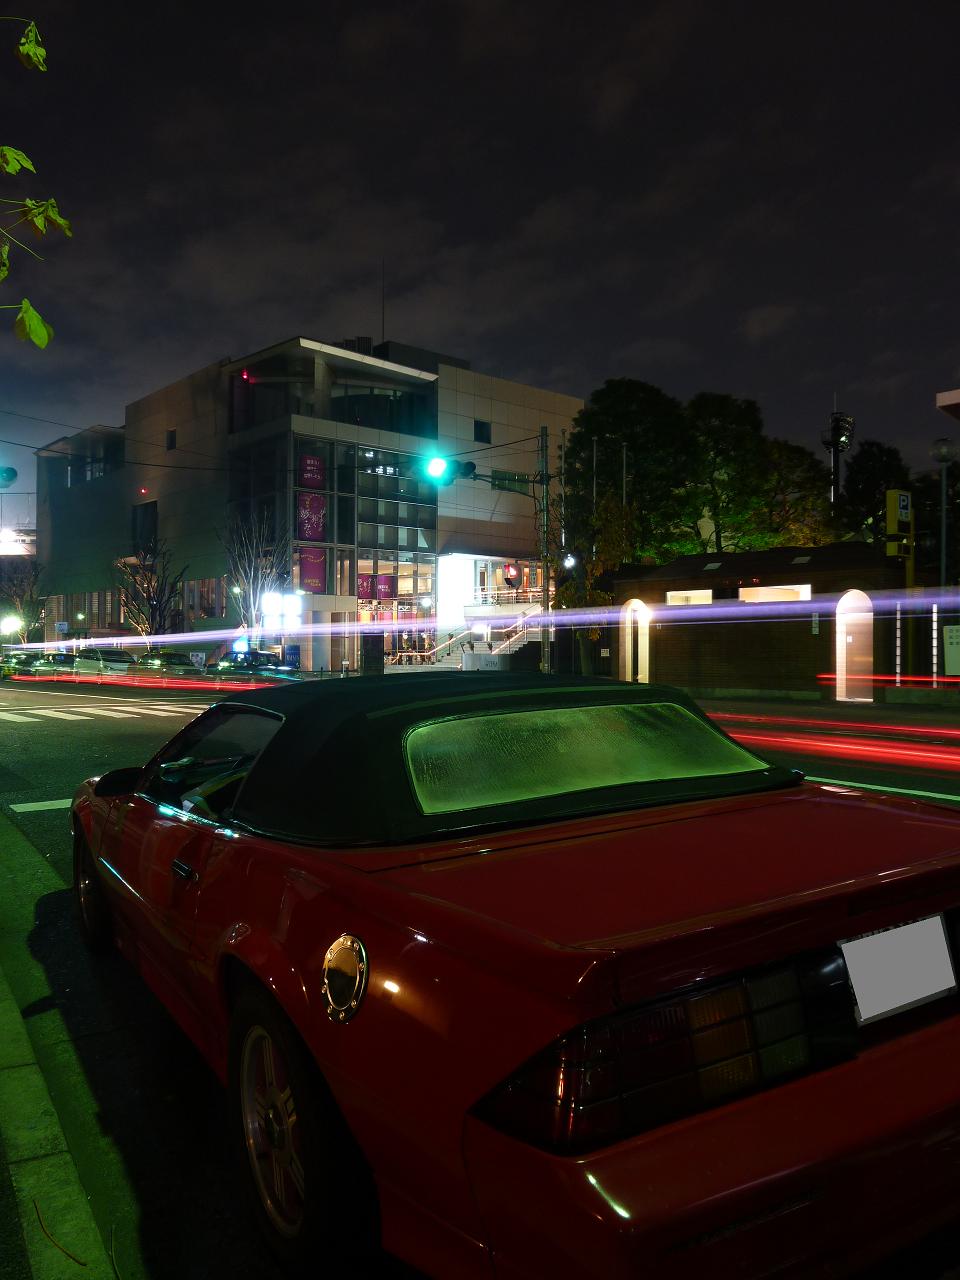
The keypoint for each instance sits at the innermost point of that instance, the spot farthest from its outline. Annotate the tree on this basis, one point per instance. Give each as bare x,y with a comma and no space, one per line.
20,592
659,453
792,504
870,472
41,215
721,498
700,477
149,590
258,561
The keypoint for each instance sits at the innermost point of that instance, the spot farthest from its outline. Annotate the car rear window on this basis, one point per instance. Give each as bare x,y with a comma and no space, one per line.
506,757
117,655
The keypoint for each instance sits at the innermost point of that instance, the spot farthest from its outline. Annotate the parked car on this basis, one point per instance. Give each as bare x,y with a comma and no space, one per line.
544,977
256,662
103,660
18,662
28,662
167,662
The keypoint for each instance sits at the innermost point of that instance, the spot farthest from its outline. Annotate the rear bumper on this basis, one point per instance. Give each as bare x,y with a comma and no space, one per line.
830,1172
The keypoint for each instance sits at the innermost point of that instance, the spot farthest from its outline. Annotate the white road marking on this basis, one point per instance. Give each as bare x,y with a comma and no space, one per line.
200,703
107,711
58,715
40,805
122,708
16,715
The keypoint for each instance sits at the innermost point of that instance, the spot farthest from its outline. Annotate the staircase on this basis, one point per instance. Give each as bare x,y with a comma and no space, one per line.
447,656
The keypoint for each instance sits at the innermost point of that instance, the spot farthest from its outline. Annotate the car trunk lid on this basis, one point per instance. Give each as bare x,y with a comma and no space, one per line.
677,894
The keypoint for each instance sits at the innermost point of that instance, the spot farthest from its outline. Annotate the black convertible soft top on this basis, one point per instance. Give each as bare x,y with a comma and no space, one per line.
335,773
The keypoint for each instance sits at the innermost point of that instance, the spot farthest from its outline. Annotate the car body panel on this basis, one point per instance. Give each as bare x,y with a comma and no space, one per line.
485,947
772,1176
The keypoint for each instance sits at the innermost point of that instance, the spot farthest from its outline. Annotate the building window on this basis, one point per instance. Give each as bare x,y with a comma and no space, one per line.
510,481
481,431
171,440
144,524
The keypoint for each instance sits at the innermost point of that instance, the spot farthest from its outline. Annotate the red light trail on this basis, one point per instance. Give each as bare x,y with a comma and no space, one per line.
861,726
906,754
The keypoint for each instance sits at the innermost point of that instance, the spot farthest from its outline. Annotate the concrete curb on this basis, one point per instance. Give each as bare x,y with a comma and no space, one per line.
42,1170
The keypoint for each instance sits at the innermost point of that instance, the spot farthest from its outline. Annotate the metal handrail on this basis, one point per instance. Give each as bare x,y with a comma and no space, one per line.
520,627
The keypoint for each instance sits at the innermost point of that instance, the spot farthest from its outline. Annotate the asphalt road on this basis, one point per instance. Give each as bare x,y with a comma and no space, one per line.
144,1116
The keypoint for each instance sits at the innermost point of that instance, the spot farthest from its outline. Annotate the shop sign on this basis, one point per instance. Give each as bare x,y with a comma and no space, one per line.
365,586
311,517
386,586
313,471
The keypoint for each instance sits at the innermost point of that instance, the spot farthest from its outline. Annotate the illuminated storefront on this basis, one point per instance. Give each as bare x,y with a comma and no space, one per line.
365,525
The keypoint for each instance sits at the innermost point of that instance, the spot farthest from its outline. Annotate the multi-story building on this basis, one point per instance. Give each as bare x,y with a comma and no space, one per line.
325,442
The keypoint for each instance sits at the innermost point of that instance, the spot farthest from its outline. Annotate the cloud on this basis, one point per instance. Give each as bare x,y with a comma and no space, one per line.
649,353
761,323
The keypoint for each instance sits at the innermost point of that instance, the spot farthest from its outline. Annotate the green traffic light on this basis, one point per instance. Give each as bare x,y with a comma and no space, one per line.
436,468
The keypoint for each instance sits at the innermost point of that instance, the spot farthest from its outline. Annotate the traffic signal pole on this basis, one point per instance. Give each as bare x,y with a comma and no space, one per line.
544,553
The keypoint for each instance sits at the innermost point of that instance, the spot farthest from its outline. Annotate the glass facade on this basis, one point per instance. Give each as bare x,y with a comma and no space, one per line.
281,385
366,525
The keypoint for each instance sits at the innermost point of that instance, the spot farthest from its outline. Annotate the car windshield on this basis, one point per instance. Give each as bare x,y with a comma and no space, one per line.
178,659
117,655
507,757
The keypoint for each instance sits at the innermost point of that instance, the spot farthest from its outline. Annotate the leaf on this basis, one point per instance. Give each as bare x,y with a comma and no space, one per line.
12,160
31,324
4,259
39,212
30,51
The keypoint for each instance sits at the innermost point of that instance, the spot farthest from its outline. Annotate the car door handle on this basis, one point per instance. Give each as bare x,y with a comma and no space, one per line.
183,870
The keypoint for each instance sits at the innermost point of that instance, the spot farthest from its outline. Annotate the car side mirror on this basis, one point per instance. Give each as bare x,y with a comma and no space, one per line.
118,782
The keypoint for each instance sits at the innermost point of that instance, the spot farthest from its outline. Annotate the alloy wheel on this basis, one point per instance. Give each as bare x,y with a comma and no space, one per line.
271,1131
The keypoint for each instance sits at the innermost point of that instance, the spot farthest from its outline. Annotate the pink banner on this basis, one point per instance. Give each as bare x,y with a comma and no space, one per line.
313,471
386,586
311,517
365,583
313,569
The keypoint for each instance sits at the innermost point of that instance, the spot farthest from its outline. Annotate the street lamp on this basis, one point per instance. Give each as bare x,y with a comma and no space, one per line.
943,451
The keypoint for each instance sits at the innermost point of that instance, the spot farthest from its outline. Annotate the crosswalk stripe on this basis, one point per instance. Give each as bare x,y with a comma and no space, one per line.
59,715
40,805
16,715
114,715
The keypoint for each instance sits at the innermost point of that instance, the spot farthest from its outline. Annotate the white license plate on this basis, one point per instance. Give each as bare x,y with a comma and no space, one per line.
896,969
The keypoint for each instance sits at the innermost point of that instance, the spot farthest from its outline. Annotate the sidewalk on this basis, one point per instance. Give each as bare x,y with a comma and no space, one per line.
47,1230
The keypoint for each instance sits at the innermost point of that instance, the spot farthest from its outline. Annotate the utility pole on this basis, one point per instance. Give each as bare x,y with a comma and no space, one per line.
623,502
563,488
594,497
544,552
943,451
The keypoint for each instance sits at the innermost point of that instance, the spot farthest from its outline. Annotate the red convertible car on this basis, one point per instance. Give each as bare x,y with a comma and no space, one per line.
544,976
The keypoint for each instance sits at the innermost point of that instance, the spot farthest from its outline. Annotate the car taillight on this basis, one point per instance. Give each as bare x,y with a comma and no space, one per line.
699,1048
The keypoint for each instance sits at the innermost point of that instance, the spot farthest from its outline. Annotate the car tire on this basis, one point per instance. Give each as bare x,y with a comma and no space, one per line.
93,911
306,1180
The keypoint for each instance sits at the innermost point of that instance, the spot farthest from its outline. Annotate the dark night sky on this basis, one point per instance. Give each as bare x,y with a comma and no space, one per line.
737,196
